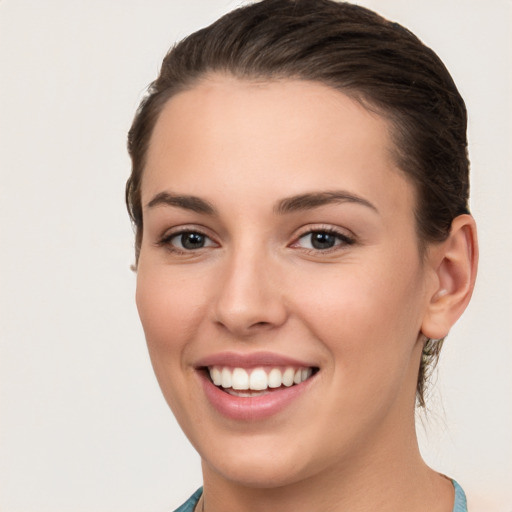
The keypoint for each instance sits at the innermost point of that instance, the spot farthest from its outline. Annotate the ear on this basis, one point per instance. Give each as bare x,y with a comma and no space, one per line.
454,263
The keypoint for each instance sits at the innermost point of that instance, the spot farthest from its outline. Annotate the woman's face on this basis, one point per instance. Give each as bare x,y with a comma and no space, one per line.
279,247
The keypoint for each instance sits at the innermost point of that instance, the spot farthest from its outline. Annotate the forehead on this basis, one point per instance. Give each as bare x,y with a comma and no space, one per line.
291,135
285,108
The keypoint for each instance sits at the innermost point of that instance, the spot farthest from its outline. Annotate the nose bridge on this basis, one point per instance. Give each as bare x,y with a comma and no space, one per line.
249,297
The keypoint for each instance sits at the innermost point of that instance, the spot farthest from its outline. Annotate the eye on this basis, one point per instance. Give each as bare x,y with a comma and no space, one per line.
322,240
188,241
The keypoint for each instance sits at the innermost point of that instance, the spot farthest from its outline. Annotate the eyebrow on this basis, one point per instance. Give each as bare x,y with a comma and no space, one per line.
192,203
312,200
301,202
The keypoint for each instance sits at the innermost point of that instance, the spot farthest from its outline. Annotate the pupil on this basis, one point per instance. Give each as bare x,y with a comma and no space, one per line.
192,240
323,240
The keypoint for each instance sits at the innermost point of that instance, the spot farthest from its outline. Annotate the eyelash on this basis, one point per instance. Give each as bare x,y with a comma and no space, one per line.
341,240
166,240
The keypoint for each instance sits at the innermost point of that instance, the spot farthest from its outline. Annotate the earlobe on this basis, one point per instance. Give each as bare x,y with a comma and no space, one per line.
454,263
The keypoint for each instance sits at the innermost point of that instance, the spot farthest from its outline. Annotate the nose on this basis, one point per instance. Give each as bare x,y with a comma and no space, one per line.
250,296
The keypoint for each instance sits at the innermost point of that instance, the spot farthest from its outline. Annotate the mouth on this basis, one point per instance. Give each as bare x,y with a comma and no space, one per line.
257,381
256,386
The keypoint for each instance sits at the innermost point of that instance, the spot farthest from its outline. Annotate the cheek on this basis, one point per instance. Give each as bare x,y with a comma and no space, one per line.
168,306
170,311
368,320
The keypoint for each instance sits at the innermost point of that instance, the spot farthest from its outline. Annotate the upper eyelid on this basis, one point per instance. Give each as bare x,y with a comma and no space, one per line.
343,232
186,228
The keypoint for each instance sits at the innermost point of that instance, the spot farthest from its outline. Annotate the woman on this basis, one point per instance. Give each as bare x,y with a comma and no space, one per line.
299,190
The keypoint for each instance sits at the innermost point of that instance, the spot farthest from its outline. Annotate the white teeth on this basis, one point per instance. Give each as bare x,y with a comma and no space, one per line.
288,376
239,379
306,373
258,379
216,376
226,378
275,378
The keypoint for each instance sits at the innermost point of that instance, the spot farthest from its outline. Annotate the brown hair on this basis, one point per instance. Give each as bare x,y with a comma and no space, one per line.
352,49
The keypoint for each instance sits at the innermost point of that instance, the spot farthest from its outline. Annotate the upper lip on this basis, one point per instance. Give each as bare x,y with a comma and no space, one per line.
251,360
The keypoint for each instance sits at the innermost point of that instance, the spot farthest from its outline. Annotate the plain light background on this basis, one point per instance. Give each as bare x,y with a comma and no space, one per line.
83,426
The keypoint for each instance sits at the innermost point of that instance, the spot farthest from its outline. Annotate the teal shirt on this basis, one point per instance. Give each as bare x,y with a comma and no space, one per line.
189,505
460,504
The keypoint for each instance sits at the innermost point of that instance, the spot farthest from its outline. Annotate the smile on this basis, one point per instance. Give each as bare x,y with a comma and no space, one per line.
244,382
254,387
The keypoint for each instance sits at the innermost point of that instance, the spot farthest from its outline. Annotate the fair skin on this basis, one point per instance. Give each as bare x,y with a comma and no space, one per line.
278,232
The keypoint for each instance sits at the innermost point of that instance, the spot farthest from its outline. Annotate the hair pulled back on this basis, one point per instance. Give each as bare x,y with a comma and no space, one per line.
354,50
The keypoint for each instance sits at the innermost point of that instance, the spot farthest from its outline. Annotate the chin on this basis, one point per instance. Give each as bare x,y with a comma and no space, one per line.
261,462
259,473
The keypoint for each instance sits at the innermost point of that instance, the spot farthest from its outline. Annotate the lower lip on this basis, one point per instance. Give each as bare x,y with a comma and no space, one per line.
256,407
